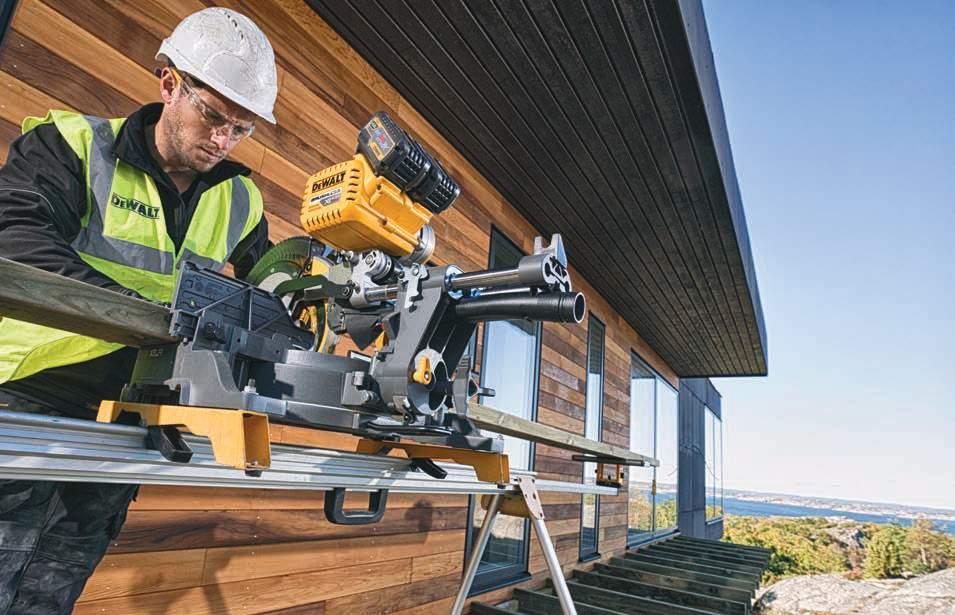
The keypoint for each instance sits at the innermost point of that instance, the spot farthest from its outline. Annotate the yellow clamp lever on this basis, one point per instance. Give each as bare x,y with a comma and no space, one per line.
422,374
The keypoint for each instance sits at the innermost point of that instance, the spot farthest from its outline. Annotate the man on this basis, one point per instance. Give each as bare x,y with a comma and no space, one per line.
120,204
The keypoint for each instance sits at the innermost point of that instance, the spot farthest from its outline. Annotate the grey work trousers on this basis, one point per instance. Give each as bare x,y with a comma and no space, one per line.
53,534
52,537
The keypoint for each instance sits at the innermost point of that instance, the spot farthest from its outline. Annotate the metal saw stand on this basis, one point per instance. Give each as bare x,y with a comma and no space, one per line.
523,503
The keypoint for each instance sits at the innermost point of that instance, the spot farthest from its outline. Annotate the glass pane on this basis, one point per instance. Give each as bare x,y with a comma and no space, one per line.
506,545
590,516
668,455
509,366
710,467
510,359
642,429
589,524
718,497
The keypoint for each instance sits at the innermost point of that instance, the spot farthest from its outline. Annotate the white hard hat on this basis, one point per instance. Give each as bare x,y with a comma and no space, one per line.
229,53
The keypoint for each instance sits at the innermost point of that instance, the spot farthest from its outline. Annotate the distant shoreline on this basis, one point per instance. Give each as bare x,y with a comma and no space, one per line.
849,506
782,506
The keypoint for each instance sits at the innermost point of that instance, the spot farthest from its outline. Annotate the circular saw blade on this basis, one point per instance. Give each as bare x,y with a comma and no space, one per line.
287,260
290,259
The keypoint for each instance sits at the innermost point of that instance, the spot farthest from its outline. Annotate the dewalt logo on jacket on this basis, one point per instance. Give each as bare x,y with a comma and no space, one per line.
144,210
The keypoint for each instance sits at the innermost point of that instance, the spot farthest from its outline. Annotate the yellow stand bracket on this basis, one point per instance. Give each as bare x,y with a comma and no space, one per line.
524,503
239,438
489,467
607,477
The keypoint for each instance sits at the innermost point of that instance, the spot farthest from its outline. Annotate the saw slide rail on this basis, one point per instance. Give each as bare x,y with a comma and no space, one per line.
40,447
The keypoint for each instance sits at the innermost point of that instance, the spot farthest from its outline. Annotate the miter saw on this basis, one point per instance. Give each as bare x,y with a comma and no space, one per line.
266,346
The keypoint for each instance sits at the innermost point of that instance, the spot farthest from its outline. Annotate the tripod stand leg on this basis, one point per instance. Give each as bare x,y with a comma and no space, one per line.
477,551
553,565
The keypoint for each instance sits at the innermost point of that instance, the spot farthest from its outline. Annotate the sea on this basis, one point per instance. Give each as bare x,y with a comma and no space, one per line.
748,508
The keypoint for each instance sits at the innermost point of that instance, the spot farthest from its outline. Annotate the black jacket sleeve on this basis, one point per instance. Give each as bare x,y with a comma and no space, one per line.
250,249
42,200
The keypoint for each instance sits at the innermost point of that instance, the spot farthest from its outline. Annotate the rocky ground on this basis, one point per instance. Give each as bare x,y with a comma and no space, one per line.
930,594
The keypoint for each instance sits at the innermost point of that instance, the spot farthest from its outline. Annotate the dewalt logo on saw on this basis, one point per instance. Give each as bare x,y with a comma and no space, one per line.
138,207
328,182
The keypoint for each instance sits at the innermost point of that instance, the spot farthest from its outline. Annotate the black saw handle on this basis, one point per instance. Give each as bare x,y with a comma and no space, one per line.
335,508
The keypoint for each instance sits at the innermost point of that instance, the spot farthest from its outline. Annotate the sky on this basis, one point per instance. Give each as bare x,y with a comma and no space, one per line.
841,117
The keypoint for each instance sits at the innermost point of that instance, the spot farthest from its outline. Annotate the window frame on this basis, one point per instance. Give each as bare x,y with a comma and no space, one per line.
595,553
519,571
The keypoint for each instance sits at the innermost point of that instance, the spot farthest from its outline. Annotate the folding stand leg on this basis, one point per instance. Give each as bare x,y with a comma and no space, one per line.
526,503
553,564
477,552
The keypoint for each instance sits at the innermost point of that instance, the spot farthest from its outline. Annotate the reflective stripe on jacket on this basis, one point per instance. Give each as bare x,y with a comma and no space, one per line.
124,236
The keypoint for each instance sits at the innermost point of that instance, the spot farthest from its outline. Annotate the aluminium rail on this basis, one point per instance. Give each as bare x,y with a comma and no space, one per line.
40,447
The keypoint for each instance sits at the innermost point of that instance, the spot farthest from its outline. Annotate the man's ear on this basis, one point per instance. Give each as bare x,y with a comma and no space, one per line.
167,85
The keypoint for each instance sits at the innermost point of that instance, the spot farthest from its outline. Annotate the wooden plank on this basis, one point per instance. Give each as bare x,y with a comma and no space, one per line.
707,559
350,61
663,559
674,570
49,299
162,530
728,546
511,425
720,554
439,607
539,603
662,580
408,596
439,564
21,99
479,608
126,574
663,594
227,564
48,28
628,603
313,608
170,497
257,595
57,76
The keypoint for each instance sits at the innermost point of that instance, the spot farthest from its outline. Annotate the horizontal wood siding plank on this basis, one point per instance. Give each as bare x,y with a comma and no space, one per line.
257,595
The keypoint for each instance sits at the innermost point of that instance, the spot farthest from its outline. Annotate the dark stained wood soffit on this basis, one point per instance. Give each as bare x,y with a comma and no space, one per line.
602,121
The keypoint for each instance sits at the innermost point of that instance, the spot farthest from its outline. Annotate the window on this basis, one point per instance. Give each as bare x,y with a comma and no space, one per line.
643,384
714,465
510,365
590,503
654,422
668,450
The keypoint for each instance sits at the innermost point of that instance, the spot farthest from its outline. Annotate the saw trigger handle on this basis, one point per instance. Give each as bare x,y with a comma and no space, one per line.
335,508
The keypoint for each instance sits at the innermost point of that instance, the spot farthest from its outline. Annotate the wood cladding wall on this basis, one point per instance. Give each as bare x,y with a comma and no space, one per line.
186,550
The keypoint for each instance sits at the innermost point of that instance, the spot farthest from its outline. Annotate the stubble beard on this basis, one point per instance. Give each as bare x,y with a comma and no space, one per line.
175,137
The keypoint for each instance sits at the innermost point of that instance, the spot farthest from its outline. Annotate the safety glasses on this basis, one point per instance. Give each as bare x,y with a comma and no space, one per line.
218,123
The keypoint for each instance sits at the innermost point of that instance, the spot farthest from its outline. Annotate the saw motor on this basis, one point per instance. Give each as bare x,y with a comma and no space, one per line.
382,199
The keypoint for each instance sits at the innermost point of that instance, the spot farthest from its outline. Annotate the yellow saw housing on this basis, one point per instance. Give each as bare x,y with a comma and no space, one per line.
348,207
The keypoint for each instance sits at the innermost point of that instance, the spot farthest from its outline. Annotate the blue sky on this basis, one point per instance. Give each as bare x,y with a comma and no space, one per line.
842,121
